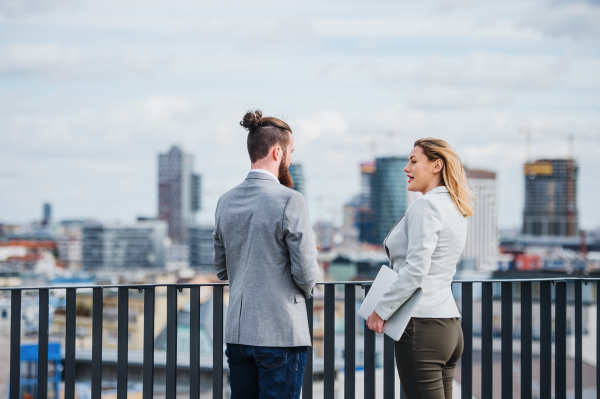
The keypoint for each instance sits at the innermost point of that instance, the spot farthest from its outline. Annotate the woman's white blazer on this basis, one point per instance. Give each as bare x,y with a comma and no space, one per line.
424,248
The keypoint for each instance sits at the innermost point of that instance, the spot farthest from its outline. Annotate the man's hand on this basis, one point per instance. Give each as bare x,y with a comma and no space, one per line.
375,323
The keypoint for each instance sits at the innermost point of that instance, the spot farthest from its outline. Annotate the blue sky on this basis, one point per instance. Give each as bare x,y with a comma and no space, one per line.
92,91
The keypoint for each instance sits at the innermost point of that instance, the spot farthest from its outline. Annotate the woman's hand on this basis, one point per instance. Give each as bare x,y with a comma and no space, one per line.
375,323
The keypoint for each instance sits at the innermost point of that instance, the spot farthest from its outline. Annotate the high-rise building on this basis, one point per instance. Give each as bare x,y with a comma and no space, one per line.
324,232
196,192
124,247
482,228
178,192
69,244
365,217
201,248
389,194
47,211
177,256
349,229
367,170
551,198
297,173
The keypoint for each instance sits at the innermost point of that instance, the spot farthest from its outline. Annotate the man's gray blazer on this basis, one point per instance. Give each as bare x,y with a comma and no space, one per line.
264,246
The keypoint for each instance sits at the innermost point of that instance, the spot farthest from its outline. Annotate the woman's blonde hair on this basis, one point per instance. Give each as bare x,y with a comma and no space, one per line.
453,173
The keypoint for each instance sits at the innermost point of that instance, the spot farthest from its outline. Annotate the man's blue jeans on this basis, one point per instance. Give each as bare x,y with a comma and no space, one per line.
261,372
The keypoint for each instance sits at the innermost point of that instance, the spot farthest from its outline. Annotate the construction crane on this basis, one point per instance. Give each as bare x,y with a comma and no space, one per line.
571,171
571,137
526,131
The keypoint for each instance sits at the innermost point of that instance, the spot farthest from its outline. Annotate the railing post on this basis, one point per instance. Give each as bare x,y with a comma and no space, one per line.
389,370
349,341
560,345
218,342
329,342
467,327
597,337
545,339
195,342
122,342
97,314
148,373
171,382
307,378
487,354
70,338
15,344
44,298
369,360
578,341
526,344
507,341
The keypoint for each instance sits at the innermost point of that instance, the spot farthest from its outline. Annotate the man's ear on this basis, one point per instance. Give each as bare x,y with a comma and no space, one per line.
276,152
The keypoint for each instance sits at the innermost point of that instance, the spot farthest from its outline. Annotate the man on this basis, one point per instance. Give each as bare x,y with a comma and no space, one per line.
264,246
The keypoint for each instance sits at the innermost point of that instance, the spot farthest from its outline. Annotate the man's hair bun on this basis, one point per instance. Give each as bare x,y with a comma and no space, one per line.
252,120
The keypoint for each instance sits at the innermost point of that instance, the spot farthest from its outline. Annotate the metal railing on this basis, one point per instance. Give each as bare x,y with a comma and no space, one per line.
546,300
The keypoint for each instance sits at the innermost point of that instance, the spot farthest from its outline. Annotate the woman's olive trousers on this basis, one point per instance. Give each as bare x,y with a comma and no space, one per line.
426,356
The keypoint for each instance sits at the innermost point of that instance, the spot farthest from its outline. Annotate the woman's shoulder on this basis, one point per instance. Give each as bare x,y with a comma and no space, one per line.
424,203
425,208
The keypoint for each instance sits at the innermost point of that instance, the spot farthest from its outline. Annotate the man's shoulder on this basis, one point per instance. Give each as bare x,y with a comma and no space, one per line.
229,193
269,191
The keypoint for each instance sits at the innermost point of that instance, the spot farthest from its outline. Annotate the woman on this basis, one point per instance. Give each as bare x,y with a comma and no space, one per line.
423,248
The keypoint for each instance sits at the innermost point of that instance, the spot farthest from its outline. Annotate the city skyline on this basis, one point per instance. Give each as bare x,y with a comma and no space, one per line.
89,96
44,205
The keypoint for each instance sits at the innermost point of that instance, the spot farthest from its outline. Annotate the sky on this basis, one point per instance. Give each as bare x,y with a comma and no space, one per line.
92,91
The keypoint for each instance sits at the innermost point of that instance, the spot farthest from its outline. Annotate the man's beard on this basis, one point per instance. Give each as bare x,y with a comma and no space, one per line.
284,173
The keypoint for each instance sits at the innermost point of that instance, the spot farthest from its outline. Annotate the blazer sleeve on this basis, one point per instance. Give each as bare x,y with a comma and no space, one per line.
219,259
424,229
300,241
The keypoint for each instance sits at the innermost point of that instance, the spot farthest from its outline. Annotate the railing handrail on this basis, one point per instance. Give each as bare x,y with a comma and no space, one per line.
361,283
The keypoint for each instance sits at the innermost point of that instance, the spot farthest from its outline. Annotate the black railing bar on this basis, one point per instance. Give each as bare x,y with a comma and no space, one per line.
70,337
362,282
517,280
130,287
545,340
487,340
308,380
505,280
218,343
43,344
590,280
171,380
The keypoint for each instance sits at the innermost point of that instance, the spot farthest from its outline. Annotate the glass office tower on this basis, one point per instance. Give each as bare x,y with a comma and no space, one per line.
389,194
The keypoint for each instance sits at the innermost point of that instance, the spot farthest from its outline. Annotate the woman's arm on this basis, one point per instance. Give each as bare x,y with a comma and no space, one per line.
424,229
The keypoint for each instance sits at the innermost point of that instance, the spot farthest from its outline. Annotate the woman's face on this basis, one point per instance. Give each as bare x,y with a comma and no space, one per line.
423,174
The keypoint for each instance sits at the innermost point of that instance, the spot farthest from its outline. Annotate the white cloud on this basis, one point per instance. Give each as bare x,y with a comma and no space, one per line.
568,19
489,70
454,97
69,62
14,8
284,34
327,122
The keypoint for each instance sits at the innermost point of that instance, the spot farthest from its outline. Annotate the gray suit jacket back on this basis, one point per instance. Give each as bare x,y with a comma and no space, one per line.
264,246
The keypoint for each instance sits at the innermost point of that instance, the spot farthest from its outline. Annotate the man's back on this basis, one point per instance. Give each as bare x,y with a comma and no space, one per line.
265,247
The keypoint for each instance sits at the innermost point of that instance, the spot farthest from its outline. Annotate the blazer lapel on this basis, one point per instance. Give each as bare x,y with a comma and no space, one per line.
387,251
